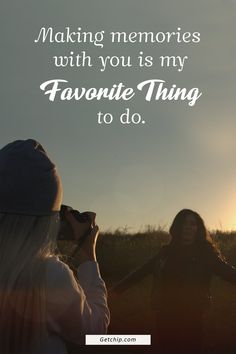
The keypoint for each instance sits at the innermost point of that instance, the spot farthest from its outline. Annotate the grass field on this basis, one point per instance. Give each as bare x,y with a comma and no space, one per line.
120,252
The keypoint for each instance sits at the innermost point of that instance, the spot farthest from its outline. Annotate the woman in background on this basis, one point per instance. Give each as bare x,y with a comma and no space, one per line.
182,273
42,305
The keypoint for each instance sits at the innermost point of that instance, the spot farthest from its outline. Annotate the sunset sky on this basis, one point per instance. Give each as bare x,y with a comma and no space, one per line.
136,175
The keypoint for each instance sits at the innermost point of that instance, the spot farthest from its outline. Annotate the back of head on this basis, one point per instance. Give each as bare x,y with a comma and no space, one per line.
29,182
30,198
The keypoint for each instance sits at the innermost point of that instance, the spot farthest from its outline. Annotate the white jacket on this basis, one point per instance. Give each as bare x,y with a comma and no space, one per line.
73,308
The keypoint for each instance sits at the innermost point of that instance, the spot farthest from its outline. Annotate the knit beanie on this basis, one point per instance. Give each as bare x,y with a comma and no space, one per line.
29,181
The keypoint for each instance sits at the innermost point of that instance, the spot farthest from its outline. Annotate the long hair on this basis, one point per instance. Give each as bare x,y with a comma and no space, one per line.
26,242
203,240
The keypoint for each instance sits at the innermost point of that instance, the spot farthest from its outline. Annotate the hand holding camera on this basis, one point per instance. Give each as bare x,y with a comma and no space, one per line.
80,227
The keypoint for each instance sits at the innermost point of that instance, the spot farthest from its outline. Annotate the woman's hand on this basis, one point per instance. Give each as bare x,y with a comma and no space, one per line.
87,251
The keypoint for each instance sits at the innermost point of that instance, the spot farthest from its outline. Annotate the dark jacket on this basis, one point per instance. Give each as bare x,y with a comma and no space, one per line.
181,277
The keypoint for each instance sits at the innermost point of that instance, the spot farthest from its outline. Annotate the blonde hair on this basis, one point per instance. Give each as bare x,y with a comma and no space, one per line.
26,243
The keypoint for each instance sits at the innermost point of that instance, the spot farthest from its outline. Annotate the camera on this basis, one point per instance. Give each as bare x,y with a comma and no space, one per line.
84,224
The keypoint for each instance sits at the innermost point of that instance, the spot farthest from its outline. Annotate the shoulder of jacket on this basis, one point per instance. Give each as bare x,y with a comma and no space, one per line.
164,251
54,262
57,272
161,256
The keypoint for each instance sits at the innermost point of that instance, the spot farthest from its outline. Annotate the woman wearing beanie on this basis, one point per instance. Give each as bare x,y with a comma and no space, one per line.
42,305
182,272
